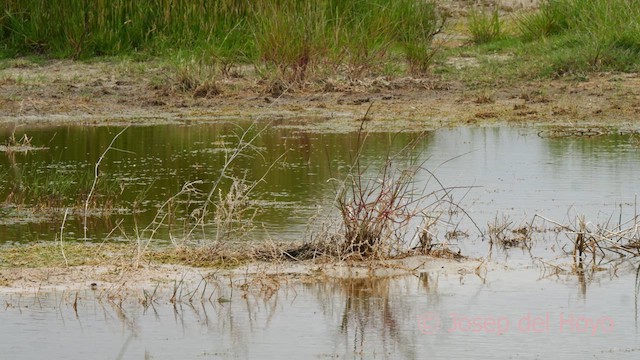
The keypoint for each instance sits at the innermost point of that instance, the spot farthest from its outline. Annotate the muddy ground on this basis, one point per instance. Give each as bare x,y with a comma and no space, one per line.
126,93
125,280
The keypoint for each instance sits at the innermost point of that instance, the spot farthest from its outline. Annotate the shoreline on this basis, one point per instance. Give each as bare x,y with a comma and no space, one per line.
112,279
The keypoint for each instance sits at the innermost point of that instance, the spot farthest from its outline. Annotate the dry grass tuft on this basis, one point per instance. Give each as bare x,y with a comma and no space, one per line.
385,213
506,234
595,245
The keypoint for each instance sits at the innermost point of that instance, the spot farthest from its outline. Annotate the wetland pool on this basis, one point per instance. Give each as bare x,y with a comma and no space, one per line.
524,310
496,174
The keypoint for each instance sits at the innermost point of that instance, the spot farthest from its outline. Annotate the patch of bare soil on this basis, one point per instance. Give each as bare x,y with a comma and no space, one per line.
458,8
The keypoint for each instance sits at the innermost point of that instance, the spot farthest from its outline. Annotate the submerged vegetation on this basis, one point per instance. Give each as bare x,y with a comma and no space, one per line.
48,189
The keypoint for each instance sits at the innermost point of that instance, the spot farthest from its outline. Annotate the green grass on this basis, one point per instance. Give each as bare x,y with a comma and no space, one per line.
595,34
290,35
485,26
77,28
298,39
562,39
43,255
414,26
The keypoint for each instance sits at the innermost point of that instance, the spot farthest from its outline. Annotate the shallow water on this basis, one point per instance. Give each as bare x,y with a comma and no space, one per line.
492,173
161,159
508,314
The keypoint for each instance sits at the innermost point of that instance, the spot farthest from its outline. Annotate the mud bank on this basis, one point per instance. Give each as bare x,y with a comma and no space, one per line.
127,279
106,93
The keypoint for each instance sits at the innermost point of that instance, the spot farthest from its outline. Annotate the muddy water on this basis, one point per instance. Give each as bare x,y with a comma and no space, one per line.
506,315
491,172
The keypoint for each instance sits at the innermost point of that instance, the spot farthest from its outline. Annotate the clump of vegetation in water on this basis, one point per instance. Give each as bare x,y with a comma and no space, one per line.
375,213
384,213
292,35
504,233
594,246
57,188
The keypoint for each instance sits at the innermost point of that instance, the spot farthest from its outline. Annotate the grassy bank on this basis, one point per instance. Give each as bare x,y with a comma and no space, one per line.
589,34
562,38
356,38
288,34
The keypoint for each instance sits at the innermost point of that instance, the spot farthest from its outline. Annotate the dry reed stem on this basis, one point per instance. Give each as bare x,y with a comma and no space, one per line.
95,179
64,220
598,242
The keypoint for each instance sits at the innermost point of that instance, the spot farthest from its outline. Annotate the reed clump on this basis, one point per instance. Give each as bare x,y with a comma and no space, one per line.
385,210
485,26
293,36
506,234
375,212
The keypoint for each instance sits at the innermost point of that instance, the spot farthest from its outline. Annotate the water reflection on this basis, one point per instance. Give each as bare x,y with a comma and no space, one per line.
159,160
365,316
353,318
